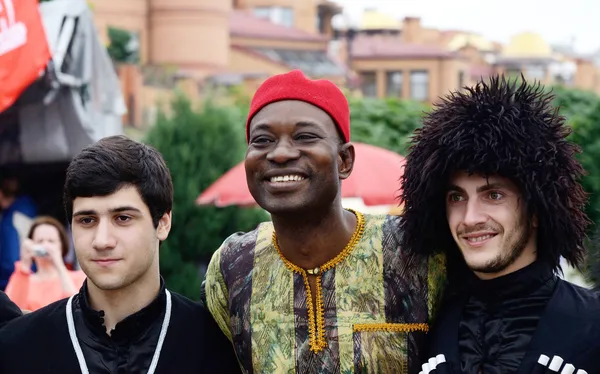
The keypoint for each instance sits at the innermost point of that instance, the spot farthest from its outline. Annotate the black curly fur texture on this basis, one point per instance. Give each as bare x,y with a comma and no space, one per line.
502,127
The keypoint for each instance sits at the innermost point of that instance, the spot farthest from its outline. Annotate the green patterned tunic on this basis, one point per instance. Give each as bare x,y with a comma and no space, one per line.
377,304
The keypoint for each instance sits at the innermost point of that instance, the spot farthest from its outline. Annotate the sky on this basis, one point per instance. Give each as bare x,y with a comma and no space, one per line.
558,21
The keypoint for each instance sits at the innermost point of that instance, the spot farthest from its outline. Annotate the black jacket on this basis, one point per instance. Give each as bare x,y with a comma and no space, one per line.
39,342
566,325
8,309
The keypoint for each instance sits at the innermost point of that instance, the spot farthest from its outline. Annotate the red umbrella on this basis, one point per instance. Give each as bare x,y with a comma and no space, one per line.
375,179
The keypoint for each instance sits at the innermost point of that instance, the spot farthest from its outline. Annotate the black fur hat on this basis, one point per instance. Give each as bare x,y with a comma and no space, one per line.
502,127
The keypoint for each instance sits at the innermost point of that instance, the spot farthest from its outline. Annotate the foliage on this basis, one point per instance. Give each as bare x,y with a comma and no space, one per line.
387,123
574,103
199,146
123,46
582,112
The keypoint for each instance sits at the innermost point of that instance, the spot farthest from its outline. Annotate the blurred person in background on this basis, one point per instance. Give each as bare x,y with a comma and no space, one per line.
46,245
17,211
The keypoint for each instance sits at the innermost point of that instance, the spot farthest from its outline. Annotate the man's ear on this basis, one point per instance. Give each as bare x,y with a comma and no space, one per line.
346,157
164,226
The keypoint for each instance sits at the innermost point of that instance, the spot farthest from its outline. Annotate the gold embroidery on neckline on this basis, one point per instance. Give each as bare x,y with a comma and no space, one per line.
317,340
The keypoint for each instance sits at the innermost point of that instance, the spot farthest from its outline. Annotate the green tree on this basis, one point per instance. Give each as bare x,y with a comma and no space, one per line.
586,133
574,103
582,112
387,123
198,146
123,46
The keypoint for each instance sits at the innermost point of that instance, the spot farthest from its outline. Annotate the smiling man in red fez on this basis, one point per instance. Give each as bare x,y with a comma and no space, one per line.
320,289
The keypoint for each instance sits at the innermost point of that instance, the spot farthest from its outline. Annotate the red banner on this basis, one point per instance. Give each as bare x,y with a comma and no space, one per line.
24,49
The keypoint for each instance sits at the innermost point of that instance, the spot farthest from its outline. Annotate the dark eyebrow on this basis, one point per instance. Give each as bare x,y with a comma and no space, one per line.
267,127
92,212
307,124
261,126
486,187
455,188
492,186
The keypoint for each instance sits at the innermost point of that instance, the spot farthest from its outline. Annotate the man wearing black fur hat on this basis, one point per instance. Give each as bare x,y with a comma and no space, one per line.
491,181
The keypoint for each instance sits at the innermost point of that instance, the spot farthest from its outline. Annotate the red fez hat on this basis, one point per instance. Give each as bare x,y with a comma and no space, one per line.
294,85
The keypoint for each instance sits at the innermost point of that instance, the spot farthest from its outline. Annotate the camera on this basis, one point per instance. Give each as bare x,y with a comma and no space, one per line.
40,251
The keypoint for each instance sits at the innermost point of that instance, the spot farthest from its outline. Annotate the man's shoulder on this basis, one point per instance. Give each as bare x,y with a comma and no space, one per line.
46,320
585,303
242,240
8,309
192,318
380,224
186,309
186,304
38,342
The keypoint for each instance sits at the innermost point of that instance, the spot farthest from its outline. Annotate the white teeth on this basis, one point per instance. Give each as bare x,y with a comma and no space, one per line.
286,178
479,238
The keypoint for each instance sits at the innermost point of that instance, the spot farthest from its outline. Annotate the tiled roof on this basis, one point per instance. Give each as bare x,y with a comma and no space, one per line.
377,47
315,63
244,23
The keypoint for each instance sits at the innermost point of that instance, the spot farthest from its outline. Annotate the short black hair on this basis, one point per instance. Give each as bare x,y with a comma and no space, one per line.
498,127
115,162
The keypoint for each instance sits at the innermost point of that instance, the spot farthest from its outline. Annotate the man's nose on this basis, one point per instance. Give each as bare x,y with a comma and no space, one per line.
474,214
103,237
284,151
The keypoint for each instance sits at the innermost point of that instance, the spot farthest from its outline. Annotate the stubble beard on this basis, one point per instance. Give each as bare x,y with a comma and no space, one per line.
506,257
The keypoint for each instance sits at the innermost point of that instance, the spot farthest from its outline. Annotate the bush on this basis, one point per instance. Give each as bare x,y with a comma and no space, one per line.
198,146
582,111
387,123
123,45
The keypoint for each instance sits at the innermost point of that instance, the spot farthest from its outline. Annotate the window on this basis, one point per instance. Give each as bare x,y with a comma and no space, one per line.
537,72
286,17
394,84
368,84
263,12
419,85
280,15
461,79
314,63
319,25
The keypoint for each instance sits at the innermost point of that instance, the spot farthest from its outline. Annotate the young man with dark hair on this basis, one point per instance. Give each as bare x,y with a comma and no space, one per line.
118,195
320,289
492,182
